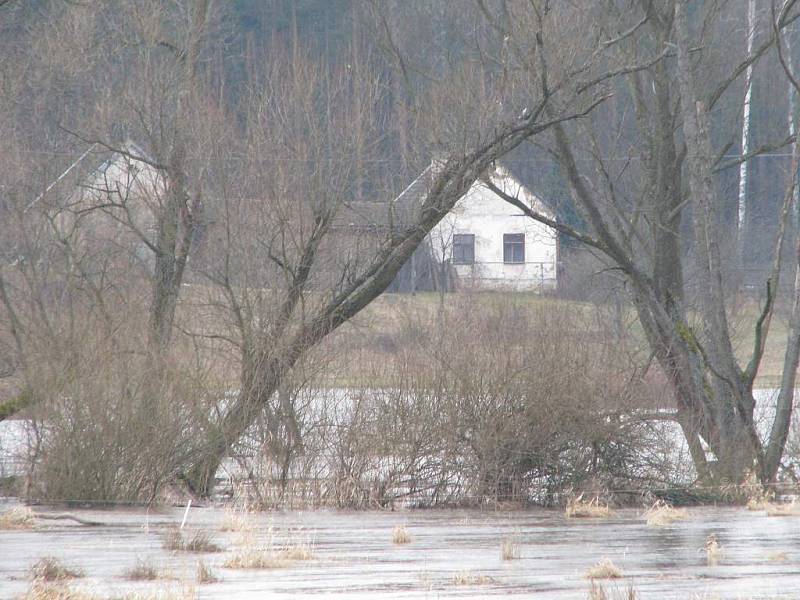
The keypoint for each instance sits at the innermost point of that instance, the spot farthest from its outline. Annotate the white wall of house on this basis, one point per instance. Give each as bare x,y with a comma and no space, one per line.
488,217
119,201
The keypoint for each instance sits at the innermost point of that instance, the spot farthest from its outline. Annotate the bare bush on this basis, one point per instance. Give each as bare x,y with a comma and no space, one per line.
463,414
107,434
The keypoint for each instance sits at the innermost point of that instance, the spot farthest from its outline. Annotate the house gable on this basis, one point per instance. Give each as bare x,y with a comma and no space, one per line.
511,251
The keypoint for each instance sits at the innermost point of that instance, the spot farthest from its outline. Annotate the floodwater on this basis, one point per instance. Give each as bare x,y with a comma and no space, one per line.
354,556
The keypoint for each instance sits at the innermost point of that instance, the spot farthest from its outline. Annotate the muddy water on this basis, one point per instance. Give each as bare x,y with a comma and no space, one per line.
354,556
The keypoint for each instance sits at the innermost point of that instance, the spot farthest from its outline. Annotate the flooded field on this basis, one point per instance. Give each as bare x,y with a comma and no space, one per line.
450,553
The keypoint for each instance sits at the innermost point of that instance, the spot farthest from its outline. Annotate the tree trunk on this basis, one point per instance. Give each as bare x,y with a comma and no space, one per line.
742,209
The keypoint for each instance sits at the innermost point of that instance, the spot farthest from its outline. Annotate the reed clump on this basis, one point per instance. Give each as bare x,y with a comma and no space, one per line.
605,569
200,542
509,549
578,508
142,571
713,550
400,535
661,514
19,517
51,569
205,574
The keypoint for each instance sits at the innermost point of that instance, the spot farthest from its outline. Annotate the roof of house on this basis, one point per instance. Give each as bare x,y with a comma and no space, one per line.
85,171
416,192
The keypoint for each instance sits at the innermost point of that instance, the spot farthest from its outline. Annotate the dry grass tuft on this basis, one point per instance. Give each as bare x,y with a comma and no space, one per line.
509,549
661,514
143,571
713,550
256,558
186,593
50,569
400,535
777,557
783,510
578,508
598,592
237,520
42,590
297,552
200,542
469,578
205,574
605,569
173,540
17,518
759,498
268,558
252,555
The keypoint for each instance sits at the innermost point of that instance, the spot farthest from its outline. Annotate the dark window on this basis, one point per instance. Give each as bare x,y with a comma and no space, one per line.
513,247
463,249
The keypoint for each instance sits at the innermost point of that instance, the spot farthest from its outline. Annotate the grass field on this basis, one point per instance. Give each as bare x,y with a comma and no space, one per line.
386,317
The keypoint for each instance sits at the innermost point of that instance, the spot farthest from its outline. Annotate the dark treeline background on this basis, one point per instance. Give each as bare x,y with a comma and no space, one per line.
432,35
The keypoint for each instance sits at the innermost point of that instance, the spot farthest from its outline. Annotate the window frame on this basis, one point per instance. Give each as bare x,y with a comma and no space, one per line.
458,242
513,244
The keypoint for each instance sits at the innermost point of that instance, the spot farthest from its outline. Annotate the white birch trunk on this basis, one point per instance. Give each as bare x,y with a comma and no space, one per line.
741,215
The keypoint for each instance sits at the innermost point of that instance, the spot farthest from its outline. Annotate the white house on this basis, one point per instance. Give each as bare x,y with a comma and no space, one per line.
486,243
112,197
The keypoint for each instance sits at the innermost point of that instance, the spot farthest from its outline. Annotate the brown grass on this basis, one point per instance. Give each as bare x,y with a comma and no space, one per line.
256,558
17,518
400,535
50,569
205,574
235,520
661,514
578,508
509,549
598,592
268,558
759,498
200,542
777,557
783,510
713,550
469,578
42,590
186,593
605,569
142,571
297,552
251,555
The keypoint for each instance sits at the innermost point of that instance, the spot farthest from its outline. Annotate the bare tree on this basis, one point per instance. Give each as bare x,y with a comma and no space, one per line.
640,216
310,132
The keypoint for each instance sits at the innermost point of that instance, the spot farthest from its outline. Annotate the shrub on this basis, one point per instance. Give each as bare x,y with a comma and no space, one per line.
113,429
